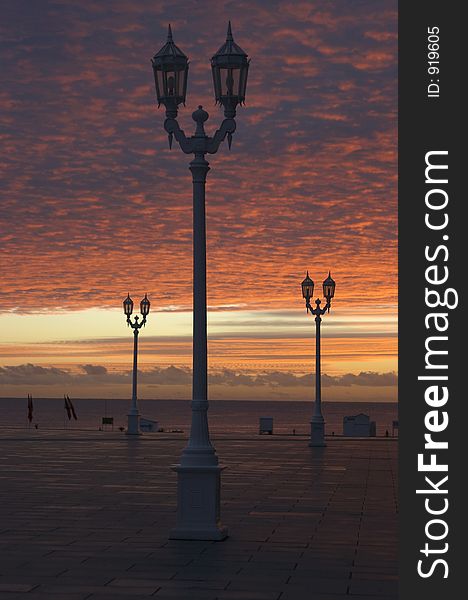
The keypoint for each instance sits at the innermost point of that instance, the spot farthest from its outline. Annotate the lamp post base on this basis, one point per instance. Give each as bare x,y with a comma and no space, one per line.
317,433
198,504
133,424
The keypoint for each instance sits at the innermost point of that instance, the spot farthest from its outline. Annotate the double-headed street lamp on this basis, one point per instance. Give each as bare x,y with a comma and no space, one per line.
133,423
199,474
317,423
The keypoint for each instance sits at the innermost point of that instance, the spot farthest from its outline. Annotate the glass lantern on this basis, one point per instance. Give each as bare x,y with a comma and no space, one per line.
329,287
230,67
128,306
145,306
307,287
170,67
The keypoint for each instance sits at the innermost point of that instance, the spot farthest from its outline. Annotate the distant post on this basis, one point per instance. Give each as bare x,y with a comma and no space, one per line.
133,424
199,474
317,423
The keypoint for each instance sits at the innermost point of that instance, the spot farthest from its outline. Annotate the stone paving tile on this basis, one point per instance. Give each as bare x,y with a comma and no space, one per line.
375,573
189,594
259,562
16,587
249,595
121,596
319,584
312,595
88,517
376,588
55,591
39,596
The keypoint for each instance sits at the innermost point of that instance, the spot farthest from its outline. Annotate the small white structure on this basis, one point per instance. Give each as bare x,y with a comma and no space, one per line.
148,425
266,425
358,426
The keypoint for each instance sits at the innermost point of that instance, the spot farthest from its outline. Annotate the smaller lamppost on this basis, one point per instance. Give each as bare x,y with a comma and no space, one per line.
133,427
317,423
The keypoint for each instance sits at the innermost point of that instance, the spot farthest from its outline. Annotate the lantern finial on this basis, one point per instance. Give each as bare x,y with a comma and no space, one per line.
169,34
229,37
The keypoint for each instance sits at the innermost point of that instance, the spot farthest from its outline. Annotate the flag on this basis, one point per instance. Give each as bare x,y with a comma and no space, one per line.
72,408
30,408
67,407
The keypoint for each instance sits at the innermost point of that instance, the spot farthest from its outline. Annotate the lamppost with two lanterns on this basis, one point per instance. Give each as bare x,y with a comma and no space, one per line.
317,423
133,422
199,474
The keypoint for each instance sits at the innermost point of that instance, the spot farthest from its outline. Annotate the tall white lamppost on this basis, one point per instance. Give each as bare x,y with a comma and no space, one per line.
133,417
317,423
199,474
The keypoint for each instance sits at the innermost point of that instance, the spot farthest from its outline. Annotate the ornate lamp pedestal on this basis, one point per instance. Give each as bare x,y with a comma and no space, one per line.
317,431
198,503
133,424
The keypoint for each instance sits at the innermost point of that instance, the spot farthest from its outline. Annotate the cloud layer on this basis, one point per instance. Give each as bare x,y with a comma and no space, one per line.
94,203
30,375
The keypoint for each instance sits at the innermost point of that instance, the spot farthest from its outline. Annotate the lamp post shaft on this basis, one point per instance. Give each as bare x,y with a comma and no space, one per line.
199,168
317,422
199,450
318,388
134,409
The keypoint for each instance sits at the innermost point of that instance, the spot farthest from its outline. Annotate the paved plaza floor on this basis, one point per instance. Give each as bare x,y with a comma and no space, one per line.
87,515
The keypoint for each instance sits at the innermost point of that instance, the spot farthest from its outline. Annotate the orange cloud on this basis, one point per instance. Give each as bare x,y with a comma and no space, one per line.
94,203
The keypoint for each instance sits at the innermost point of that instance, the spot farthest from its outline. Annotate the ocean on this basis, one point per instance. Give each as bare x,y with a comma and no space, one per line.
225,416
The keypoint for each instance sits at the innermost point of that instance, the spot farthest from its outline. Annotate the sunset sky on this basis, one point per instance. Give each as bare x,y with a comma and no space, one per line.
95,205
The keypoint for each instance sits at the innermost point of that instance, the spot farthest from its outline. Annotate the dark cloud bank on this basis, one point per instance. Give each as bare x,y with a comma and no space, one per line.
29,374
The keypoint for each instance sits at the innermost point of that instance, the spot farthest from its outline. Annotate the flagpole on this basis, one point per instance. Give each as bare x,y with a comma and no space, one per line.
72,408
30,411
